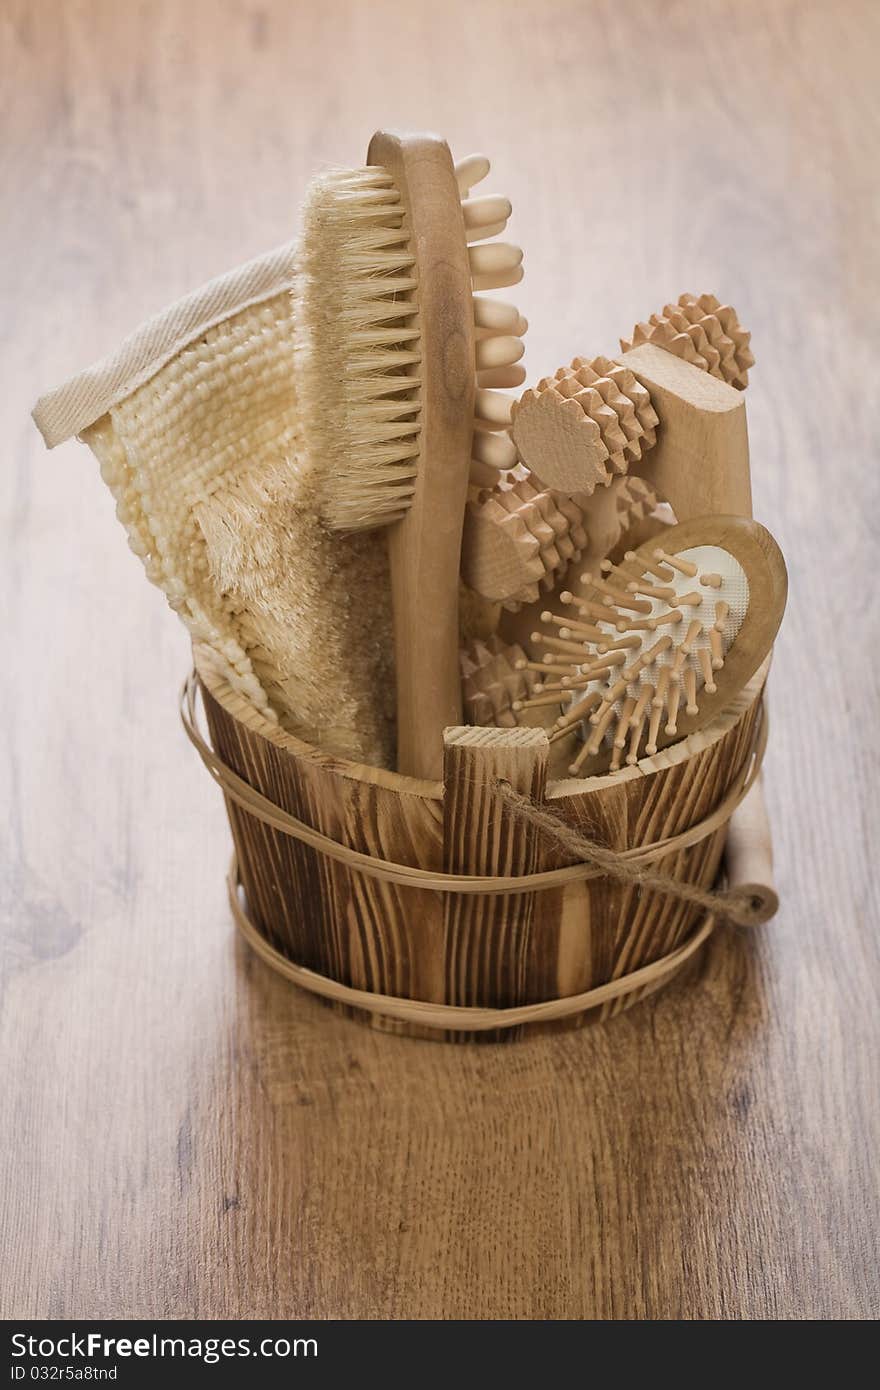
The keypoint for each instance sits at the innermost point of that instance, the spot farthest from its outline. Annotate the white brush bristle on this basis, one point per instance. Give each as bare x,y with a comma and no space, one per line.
358,359
358,349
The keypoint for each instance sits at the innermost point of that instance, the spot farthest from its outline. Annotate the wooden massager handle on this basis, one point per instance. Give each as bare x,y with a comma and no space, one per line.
425,546
700,463
748,853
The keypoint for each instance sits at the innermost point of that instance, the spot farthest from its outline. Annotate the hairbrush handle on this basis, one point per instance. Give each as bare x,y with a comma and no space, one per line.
748,853
425,546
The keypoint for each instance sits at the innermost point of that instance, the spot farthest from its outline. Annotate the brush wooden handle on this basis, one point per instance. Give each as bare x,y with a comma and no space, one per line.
425,546
748,853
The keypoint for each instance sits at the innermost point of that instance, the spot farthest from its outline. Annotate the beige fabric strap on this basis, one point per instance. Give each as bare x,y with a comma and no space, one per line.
264,810
83,399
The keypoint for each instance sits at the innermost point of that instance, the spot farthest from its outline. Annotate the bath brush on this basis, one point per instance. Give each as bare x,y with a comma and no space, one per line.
398,370
656,646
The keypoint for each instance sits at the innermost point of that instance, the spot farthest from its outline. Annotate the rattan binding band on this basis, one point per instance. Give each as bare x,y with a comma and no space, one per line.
460,1018
457,1018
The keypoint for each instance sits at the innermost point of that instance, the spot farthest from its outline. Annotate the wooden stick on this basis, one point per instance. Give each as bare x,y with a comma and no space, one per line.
705,661
650,591
618,645
653,728
559,644
659,571
537,702
673,700
588,629
690,690
623,723
599,729
579,710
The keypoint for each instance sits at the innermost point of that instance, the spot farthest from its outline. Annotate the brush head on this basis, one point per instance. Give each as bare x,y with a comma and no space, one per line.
651,649
397,360
358,350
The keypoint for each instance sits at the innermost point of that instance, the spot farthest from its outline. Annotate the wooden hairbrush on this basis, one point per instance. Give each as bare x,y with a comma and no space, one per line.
653,648
398,363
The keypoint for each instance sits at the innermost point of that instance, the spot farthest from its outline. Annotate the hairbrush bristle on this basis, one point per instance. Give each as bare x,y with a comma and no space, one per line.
636,652
358,348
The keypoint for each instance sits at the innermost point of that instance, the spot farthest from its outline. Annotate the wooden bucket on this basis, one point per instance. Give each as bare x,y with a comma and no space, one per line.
328,923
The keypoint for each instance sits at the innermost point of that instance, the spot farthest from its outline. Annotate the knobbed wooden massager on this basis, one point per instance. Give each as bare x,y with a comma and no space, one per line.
669,412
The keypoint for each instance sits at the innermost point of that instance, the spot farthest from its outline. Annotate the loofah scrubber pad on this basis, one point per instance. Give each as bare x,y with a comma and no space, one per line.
202,459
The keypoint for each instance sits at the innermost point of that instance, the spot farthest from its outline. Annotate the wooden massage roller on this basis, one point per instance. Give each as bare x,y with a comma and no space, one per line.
657,645
399,371
520,541
702,331
494,675
593,421
603,421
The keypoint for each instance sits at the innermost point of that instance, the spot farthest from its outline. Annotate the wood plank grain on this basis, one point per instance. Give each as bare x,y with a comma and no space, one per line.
487,943
181,1134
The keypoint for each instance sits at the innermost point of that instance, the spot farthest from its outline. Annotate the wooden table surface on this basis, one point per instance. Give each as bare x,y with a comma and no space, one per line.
181,1133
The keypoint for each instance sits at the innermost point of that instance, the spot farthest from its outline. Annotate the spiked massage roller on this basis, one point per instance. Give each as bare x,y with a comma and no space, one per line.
481,770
